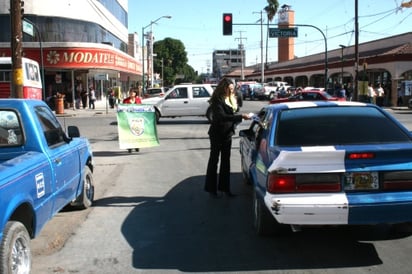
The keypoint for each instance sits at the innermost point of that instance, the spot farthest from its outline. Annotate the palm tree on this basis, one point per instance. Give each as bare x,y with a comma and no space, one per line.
271,10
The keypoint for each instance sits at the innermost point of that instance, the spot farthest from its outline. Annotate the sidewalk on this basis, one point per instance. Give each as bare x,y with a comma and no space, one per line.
100,109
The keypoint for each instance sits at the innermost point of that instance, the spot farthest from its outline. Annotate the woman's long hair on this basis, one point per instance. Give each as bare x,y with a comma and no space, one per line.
220,91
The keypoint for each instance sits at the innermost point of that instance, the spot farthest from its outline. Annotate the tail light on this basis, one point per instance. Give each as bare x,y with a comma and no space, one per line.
397,180
301,183
361,155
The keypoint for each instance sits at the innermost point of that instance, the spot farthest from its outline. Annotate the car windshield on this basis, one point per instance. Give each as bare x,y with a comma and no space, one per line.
336,126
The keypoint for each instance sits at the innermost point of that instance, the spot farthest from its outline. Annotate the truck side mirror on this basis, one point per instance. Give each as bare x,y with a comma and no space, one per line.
73,131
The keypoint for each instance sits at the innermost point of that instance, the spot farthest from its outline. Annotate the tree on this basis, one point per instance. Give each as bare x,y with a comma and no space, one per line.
271,10
173,54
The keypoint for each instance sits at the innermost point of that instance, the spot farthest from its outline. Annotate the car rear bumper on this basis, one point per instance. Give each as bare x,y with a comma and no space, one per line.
341,208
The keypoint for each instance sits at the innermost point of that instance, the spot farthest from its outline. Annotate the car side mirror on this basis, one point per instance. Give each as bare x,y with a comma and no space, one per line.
248,133
73,131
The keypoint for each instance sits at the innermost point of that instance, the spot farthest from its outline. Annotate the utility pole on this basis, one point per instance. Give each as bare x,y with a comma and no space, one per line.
242,57
16,14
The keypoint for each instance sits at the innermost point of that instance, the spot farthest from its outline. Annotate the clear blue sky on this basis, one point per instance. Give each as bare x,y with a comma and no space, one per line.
198,24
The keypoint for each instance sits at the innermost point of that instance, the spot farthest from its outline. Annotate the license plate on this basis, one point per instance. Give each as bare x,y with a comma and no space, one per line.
361,181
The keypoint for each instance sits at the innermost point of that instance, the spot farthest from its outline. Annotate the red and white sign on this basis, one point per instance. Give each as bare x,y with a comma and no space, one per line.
83,58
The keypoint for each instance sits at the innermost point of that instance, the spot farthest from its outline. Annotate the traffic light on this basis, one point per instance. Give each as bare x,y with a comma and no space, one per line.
227,23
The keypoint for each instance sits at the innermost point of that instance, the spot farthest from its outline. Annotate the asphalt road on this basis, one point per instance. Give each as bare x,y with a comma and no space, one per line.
151,215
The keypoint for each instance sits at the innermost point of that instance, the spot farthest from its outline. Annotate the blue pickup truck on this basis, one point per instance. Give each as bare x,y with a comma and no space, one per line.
43,168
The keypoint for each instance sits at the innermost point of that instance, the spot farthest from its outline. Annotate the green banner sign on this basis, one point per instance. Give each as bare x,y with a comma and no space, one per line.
136,126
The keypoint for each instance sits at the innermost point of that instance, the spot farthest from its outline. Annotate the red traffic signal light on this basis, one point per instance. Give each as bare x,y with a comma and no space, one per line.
227,23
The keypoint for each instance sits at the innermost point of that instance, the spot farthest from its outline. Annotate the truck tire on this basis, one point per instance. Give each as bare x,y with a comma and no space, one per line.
85,199
15,253
264,223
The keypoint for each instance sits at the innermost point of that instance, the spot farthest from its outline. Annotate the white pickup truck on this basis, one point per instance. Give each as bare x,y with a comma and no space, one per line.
272,89
183,100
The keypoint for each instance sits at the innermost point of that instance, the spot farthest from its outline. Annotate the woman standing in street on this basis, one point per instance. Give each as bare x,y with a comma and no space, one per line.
221,130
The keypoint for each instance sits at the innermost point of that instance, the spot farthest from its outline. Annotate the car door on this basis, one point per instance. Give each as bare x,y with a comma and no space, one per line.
177,102
63,157
200,100
250,149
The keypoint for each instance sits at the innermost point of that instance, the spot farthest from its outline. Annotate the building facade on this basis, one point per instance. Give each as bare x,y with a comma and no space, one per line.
225,61
386,61
79,44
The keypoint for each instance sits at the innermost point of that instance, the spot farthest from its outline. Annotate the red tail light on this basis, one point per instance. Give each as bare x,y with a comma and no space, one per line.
301,183
398,180
361,155
281,183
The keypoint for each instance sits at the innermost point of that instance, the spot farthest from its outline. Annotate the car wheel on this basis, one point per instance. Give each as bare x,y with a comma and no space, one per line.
264,223
209,115
85,199
15,253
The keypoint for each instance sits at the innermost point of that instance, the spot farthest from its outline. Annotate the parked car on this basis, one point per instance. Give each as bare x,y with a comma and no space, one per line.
245,90
307,95
258,92
183,100
327,163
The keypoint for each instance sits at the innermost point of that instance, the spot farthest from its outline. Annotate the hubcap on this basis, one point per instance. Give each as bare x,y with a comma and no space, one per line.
20,257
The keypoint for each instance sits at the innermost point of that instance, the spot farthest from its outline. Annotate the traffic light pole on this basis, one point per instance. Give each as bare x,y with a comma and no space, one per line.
16,13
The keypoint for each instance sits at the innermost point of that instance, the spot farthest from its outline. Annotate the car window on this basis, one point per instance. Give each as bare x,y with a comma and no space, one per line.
178,93
336,126
309,96
200,92
52,130
154,91
11,133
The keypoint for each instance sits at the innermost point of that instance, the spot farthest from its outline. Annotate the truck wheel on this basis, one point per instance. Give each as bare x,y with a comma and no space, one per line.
264,223
15,253
85,199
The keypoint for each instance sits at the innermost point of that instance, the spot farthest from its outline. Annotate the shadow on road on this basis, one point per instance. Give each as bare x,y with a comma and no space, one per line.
191,232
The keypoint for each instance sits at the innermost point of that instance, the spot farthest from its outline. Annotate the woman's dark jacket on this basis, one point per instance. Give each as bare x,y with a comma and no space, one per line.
224,120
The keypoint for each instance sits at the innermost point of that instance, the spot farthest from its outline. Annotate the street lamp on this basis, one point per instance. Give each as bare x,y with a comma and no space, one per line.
341,47
151,46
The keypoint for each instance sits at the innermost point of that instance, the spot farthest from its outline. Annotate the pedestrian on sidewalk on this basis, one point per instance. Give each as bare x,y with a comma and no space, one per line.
92,98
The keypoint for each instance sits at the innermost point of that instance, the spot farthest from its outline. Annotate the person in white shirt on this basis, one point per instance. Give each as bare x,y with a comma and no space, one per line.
371,94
